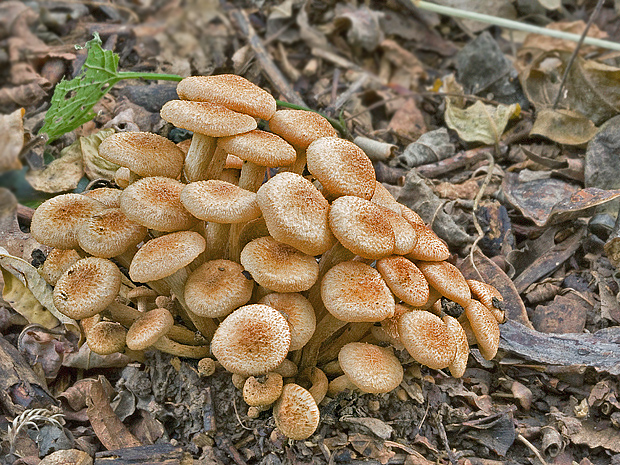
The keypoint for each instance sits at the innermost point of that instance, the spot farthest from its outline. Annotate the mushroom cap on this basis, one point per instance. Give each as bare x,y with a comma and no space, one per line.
405,235
144,153
278,266
427,339
485,328
355,292
298,312
428,246
410,215
404,279
232,91
252,340
383,197
220,202
55,222
87,288
164,255
256,393
296,413
109,233
447,280
362,227
106,337
57,262
389,327
108,196
206,118
341,167
155,202
216,288
259,147
300,127
371,368
146,330
485,293
296,213
459,364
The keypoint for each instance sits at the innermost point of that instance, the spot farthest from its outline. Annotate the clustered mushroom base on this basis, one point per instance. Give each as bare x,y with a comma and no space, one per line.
274,279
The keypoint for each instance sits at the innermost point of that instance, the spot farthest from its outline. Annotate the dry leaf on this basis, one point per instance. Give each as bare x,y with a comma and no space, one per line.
361,24
564,126
499,8
61,175
11,140
12,238
479,122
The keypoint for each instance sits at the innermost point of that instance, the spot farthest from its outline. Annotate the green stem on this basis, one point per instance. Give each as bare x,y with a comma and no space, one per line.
151,76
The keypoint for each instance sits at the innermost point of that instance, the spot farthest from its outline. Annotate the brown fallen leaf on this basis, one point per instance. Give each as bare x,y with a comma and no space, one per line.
565,314
564,126
11,140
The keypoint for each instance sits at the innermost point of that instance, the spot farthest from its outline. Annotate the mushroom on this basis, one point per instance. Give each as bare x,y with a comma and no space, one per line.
296,413
428,246
485,327
142,295
108,196
106,337
459,363
489,297
448,280
262,391
56,263
427,339
404,279
299,314
318,382
206,366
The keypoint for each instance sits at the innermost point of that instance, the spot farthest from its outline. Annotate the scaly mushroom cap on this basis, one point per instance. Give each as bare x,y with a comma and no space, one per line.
206,118
216,288
109,233
57,262
55,222
296,213
428,247
87,288
300,127
299,313
362,227
296,413
485,293
149,328
485,328
341,167
220,202
427,339
388,331
404,279
371,368
258,394
410,215
259,147
164,255
108,196
448,280
106,337
155,202
355,292
278,266
252,340
459,364
229,90
384,198
405,235
144,153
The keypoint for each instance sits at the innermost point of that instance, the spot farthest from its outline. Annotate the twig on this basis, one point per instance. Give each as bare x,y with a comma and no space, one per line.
572,58
533,448
446,444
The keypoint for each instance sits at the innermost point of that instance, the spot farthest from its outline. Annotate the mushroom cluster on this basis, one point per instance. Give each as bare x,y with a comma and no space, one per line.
275,251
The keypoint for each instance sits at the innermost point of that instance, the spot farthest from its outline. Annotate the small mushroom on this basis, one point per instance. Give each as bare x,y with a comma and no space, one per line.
57,262
404,279
106,337
429,247
296,413
259,392
299,314
427,339
108,196
448,280
489,297
318,382
459,363
485,327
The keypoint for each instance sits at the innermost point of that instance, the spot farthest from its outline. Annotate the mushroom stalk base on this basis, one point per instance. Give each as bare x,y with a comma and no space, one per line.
199,157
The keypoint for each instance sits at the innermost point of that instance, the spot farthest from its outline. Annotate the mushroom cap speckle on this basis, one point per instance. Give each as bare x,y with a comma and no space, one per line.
229,90
404,279
296,413
216,288
144,153
252,340
206,118
259,147
299,313
427,339
278,266
371,368
155,202
106,337
300,127
164,255
355,292
341,167
220,202
146,330
87,288
296,213
447,280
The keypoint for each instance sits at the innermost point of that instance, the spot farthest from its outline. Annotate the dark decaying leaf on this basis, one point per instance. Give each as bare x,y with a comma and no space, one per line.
565,314
602,163
498,434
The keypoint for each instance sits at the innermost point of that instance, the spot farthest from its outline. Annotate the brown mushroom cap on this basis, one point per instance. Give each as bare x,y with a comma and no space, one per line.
232,91
252,340
55,222
296,413
428,246
355,292
404,279
109,233
155,202
144,153
278,266
57,262
362,227
87,288
448,280
164,255
427,339
341,167
259,147
206,118
485,293
405,235
216,288
106,337
459,364
257,393
298,312
149,328
485,328
371,368
381,196
296,213
108,196
300,127
220,202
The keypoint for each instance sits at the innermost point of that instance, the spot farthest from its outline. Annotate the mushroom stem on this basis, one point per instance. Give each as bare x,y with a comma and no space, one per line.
167,345
217,241
339,384
252,176
234,247
330,349
198,158
216,166
327,326
298,165
318,383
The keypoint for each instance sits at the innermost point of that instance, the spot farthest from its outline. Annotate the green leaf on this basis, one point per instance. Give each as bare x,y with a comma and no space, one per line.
479,122
73,101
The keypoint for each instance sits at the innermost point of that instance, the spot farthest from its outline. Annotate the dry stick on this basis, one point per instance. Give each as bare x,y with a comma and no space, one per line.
446,444
533,448
569,65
